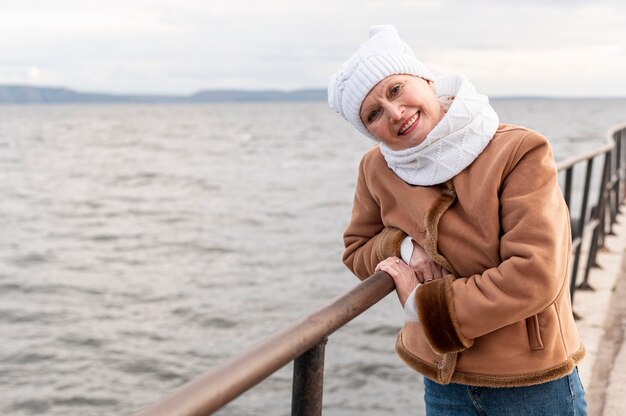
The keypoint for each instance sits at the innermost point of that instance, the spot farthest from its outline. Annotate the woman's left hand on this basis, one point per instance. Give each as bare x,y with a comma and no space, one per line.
425,268
403,276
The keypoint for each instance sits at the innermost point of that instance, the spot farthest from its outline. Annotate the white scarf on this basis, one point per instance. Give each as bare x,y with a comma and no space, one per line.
454,143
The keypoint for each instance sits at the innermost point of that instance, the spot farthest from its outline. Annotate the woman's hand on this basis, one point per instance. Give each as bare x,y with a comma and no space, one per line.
424,267
403,276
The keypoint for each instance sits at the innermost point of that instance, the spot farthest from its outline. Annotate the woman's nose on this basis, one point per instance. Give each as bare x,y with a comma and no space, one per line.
395,111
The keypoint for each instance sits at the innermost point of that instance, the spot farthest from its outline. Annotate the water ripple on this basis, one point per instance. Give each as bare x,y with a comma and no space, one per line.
143,241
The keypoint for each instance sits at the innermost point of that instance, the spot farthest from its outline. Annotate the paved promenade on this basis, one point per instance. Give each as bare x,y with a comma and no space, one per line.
603,312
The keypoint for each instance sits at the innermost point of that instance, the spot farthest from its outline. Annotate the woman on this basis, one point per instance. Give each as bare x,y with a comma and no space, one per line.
466,216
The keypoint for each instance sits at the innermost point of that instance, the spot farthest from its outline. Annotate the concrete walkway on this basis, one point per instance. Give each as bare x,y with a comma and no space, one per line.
603,312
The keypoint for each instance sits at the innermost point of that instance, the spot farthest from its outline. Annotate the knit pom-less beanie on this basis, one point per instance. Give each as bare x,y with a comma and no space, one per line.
383,54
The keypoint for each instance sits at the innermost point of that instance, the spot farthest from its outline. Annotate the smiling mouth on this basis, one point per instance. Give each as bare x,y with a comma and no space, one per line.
409,125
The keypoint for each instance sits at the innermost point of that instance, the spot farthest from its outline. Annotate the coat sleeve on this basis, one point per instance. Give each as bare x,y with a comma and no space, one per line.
367,241
535,247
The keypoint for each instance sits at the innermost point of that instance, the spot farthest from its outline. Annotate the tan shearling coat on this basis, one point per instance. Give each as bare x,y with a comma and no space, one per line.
501,227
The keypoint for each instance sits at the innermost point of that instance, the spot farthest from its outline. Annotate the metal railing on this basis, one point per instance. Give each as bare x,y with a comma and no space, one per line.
304,340
597,221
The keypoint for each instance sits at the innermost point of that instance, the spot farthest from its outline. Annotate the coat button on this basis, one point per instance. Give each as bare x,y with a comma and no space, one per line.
439,364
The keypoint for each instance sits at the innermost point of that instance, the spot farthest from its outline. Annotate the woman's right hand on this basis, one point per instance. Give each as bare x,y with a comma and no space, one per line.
403,276
424,267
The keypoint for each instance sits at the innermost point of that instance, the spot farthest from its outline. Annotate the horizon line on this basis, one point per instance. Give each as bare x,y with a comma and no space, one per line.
277,90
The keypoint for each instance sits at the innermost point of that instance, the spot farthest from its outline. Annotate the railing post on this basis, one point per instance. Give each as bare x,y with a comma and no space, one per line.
612,196
567,193
619,169
308,381
597,238
620,138
581,228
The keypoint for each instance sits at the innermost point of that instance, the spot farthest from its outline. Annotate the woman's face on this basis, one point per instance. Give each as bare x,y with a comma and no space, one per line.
401,110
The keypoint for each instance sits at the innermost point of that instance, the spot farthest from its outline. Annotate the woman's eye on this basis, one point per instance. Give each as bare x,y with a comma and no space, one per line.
372,115
395,89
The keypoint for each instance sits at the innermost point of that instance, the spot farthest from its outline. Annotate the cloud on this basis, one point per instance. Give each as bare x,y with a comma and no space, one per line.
561,71
33,73
180,47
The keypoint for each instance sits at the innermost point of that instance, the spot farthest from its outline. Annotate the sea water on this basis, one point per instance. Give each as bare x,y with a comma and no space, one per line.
142,244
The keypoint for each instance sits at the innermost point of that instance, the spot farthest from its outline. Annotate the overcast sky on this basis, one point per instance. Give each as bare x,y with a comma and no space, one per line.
530,47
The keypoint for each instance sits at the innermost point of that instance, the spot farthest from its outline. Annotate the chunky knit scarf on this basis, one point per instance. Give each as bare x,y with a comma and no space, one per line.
454,143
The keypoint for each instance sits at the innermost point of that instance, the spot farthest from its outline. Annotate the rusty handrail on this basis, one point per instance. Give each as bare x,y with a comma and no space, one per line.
573,160
613,179
304,340
609,144
220,385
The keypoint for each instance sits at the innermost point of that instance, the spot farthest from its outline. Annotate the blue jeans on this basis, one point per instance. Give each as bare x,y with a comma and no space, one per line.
564,396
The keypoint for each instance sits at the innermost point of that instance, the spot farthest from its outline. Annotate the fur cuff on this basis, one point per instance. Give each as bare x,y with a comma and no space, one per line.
438,318
388,243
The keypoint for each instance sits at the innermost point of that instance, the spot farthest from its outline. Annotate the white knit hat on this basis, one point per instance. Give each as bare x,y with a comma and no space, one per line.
383,54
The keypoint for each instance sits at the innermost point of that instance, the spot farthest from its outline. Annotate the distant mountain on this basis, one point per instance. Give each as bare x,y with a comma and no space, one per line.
22,94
